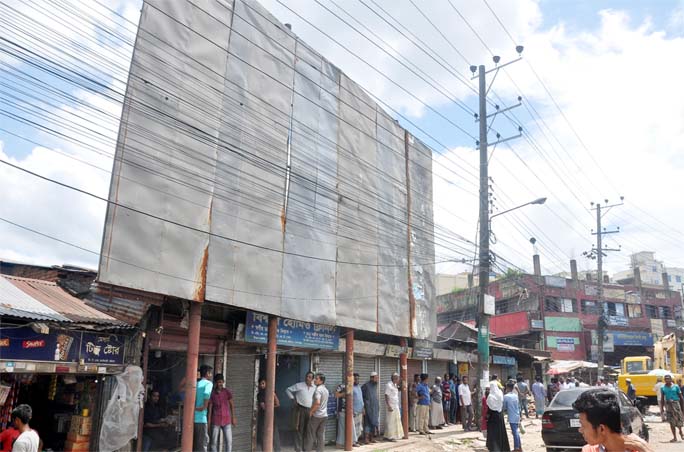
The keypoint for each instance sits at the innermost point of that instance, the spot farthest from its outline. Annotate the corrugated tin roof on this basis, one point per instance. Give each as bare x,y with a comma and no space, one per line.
17,303
44,300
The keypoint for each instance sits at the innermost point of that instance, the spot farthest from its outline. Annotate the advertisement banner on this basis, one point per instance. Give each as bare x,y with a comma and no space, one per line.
24,344
565,344
294,333
631,338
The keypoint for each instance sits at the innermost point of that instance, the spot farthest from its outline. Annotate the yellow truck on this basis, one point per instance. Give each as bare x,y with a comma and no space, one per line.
644,371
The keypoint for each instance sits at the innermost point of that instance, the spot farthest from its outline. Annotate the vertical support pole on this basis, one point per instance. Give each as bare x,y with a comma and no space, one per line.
349,439
141,415
483,319
191,374
599,256
270,383
412,299
403,374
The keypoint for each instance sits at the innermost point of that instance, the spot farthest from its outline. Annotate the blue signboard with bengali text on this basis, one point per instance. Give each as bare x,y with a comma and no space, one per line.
24,344
294,333
641,338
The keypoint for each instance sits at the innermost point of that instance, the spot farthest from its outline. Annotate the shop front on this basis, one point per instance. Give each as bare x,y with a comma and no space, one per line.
61,375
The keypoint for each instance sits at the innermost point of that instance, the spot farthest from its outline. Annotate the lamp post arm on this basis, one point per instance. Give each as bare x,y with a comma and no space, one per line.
509,210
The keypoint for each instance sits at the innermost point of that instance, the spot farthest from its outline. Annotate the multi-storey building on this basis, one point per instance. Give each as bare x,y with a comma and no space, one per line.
561,315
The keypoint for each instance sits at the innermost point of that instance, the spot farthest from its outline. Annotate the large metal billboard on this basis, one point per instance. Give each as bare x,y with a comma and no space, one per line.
252,172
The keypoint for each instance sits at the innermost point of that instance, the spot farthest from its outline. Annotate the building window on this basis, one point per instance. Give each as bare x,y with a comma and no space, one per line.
664,312
617,309
678,279
554,304
634,310
669,278
590,307
651,311
655,268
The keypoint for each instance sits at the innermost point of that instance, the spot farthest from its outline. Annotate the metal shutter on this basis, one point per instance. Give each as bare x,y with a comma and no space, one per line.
388,366
332,366
364,365
436,369
241,374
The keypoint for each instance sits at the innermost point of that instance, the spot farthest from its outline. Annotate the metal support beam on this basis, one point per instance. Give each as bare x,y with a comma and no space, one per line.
192,354
403,374
270,383
349,439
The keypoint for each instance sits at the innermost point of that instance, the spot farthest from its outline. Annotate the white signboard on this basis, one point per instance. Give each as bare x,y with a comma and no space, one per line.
489,305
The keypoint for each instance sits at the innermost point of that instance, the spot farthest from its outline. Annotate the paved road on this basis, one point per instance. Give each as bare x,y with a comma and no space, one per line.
454,438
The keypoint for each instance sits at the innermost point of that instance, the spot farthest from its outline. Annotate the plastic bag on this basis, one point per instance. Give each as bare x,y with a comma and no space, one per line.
522,428
120,419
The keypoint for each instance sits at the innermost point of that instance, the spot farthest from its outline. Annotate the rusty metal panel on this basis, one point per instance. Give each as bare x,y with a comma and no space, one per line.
219,102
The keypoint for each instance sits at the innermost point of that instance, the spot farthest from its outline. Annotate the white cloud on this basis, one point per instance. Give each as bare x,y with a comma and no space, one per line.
617,83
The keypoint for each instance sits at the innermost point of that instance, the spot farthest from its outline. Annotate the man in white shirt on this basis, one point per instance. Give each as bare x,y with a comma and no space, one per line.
657,388
466,400
394,429
28,440
302,393
318,415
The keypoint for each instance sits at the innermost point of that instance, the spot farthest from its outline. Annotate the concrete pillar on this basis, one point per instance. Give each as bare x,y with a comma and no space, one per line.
537,264
270,383
192,355
573,270
666,281
349,439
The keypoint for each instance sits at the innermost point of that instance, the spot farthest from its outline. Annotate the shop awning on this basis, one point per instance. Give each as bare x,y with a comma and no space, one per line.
563,367
36,299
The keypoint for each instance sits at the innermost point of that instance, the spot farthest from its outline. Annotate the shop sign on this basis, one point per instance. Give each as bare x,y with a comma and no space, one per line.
505,360
565,344
632,338
554,281
537,324
618,320
24,344
294,333
102,348
671,323
393,351
463,368
422,349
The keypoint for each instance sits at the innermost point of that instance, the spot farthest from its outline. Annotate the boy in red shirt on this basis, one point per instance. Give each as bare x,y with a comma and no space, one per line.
7,438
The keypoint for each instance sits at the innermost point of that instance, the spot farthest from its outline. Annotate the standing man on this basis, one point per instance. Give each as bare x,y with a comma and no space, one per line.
358,409
539,393
200,440
341,396
446,397
523,394
453,404
222,415
631,390
28,439
552,389
318,414
413,403
423,412
466,399
371,404
302,393
394,429
659,395
672,402
511,405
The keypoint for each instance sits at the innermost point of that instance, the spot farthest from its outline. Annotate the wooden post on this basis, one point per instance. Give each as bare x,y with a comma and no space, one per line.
349,440
270,383
194,325
403,360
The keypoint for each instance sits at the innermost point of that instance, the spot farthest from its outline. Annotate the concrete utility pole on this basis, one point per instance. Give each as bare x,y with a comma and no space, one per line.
598,253
484,254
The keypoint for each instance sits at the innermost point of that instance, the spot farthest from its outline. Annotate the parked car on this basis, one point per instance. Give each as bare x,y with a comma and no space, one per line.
560,422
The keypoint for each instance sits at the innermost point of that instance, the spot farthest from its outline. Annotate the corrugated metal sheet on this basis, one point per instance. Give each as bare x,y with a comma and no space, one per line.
332,366
44,300
240,378
16,303
124,304
388,366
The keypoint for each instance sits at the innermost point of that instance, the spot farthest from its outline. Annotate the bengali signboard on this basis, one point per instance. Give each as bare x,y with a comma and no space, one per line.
24,344
422,349
631,338
618,320
537,324
294,333
565,344
505,360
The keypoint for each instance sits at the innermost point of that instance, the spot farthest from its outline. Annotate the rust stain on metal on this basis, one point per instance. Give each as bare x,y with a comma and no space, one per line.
201,289
412,299
283,220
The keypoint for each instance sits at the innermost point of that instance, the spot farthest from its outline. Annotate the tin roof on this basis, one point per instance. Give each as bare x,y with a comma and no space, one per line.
44,300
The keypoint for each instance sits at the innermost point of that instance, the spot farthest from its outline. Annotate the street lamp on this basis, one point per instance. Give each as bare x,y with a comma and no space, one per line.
536,201
483,323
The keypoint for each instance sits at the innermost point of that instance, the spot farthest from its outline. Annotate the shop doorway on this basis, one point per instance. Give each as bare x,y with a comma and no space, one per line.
290,369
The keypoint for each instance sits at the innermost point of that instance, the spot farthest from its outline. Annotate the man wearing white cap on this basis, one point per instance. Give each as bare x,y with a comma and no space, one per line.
631,390
394,429
371,405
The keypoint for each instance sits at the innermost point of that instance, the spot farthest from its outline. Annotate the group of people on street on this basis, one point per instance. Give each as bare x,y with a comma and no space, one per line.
435,406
